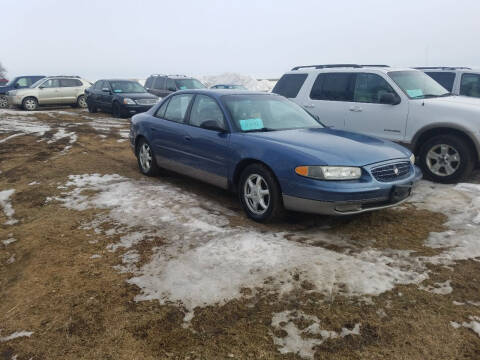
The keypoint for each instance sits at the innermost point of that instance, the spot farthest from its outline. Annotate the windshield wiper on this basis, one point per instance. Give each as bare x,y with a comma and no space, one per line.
428,96
264,129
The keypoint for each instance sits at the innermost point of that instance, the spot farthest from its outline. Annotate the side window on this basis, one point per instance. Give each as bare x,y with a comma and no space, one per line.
444,78
206,109
177,107
171,85
159,83
161,110
70,82
333,87
369,88
23,82
99,85
148,83
289,85
470,85
52,83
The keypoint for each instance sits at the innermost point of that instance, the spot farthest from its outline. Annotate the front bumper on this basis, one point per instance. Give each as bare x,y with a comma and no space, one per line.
354,200
135,109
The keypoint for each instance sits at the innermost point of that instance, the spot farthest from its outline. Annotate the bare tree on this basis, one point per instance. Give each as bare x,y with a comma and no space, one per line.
3,71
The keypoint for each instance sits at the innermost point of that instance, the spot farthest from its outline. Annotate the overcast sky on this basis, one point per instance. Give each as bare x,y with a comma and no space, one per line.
117,38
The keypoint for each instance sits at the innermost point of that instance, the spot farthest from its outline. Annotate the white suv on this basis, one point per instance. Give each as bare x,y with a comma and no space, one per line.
52,90
402,105
458,80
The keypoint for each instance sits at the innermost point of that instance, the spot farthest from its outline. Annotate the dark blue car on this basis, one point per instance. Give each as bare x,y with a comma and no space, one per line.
272,152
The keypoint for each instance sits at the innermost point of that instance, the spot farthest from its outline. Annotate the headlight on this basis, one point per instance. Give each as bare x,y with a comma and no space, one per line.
128,101
11,92
412,159
329,172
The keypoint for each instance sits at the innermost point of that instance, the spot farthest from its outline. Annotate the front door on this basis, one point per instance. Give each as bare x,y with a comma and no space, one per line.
49,92
367,115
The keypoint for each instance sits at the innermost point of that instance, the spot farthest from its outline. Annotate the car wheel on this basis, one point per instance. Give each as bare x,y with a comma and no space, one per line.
260,194
3,102
30,104
446,159
116,111
91,108
145,158
81,102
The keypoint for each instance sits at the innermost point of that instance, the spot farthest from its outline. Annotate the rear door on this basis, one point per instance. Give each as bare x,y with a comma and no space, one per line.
69,90
367,115
208,150
50,92
168,134
330,97
158,87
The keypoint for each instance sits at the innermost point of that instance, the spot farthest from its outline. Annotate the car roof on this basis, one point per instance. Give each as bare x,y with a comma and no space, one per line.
448,69
174,76
118,80
315,69
221,92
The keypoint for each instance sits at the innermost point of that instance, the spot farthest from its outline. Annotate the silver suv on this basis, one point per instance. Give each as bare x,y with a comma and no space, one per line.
458,80
52,90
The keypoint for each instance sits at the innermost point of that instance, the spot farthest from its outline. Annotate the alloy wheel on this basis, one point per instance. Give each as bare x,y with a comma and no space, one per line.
256,194
145,157
30,104
443,160
3,102
82,102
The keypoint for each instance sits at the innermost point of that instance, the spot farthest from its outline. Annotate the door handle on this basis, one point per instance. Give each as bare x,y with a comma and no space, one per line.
356,109
188,138
308,106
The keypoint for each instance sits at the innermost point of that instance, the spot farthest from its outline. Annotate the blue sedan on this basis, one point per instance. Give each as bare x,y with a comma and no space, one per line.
272,152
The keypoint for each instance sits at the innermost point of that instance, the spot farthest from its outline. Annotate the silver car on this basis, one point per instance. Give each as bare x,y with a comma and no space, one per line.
52,90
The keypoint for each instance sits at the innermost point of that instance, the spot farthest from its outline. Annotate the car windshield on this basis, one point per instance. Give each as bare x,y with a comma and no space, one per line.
183,84
417,85
251,113
127,87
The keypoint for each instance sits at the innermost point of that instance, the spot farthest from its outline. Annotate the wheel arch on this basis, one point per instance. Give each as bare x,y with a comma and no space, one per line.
242,165
428,132
137,141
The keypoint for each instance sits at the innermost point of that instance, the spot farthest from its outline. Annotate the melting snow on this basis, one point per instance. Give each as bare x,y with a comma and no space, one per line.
15,335
438,288
7,207
474,324
237,79
303,342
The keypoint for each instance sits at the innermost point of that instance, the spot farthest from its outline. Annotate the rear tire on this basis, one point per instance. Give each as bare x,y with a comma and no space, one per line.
3,102
260,194
30,104
446,159
82,102
146,159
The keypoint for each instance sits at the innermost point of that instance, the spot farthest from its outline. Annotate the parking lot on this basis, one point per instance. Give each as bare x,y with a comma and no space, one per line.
98,261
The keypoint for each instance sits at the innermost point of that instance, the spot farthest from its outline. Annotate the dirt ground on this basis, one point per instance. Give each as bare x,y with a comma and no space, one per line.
79,307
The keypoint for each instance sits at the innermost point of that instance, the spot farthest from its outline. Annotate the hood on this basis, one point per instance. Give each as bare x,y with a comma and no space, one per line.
454,101
4,89
136,96
325,146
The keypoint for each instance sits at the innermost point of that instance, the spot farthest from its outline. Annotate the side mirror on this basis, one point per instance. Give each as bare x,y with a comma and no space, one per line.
212,125
171,89
107,90
16,86
389,99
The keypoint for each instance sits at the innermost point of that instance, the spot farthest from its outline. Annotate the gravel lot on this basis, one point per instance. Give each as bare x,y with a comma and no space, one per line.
99,262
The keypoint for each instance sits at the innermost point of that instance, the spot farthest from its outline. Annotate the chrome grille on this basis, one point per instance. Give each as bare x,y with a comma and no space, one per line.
392,172
146,101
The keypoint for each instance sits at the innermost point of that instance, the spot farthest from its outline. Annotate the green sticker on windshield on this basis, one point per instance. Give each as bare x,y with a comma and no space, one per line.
117,91
415,93
251,124
183,87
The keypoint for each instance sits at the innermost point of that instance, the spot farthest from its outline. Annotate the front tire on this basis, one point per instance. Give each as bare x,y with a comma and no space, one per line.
145,158
3,102
446,159
116,110
30,104
260,194
92,108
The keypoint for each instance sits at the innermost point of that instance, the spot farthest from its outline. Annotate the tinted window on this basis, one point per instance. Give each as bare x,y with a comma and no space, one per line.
369,88
445,79
129,87
52,83
206,109
171,85
98,85
159,83
70,82
161,110
333,86
177,107
289,85
184,84
148,83
470,85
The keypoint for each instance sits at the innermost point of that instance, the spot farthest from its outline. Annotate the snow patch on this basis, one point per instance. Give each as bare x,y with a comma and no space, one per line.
16,335
238,79
438,288
473,325
7,206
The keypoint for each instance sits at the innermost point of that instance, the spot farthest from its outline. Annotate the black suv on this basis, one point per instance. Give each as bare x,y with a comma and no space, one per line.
164,85
19,82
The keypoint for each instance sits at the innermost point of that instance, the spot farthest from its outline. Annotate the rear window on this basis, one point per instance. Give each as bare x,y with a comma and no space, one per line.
333,87
289,85
445,79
